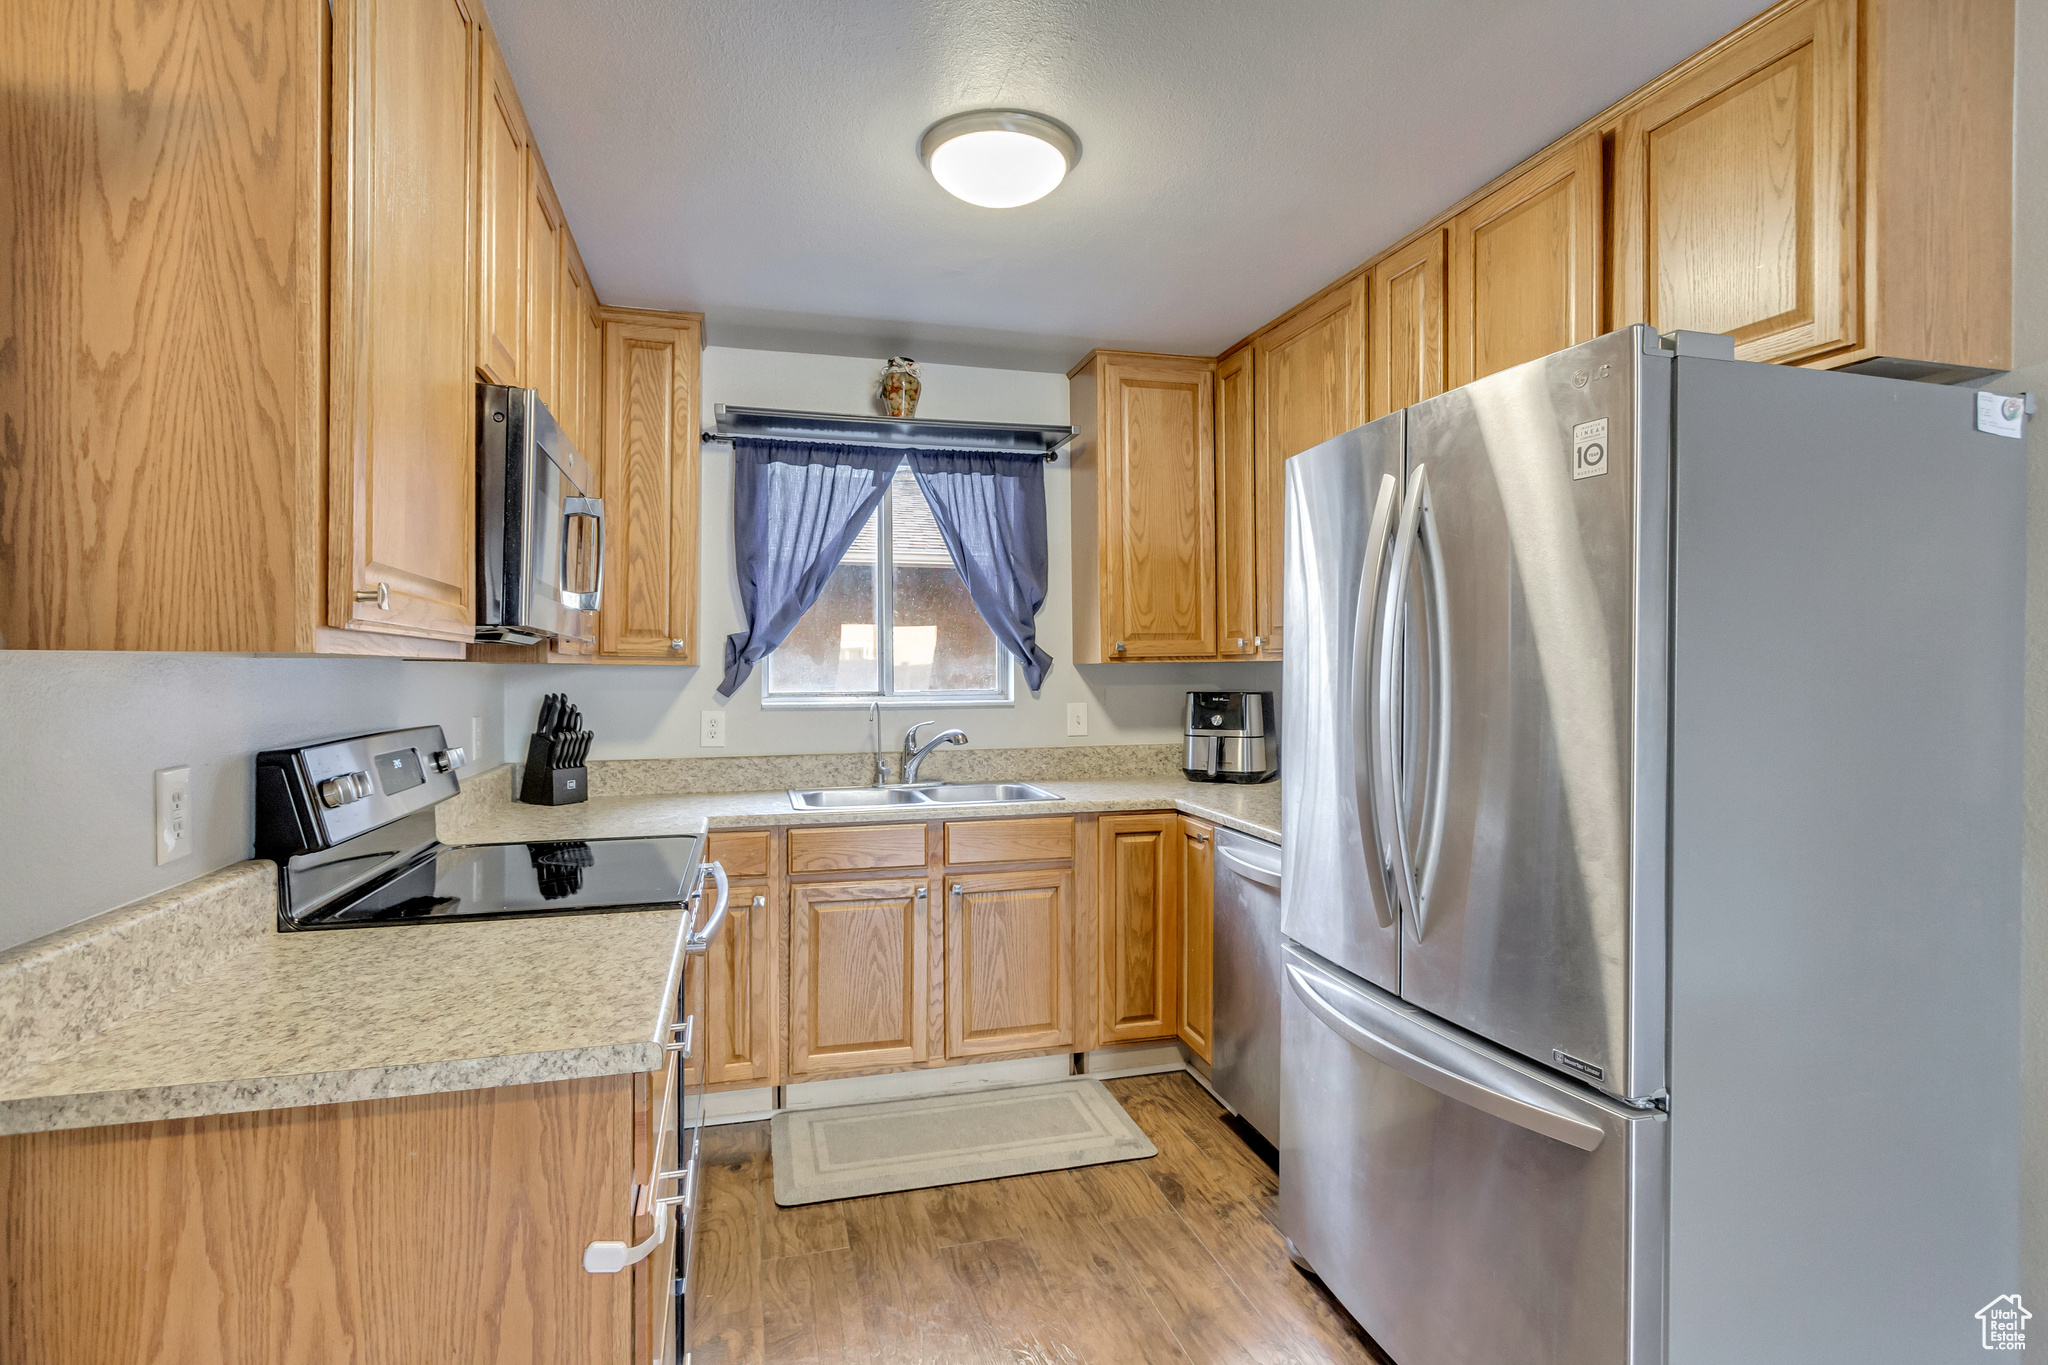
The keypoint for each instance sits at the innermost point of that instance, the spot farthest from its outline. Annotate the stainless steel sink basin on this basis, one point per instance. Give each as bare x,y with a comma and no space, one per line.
940,794
854,798
986,793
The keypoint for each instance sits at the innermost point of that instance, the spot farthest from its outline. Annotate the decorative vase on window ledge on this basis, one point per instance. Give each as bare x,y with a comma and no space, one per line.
900,387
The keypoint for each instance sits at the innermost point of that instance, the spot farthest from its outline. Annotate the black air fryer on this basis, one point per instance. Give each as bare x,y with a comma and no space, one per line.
1231,738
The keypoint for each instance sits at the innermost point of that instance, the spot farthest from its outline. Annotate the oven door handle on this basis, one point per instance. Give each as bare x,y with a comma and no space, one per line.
571,509
700,942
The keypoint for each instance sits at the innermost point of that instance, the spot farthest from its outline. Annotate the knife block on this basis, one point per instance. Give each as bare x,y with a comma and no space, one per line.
545,786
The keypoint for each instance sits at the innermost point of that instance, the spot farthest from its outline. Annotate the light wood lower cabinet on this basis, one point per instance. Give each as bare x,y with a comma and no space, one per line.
739,1032
1009,961
439,1227
859,975
1197,934
1137,909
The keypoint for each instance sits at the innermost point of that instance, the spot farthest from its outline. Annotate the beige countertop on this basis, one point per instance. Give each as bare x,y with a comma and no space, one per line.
191,1003
285,1020
1254,810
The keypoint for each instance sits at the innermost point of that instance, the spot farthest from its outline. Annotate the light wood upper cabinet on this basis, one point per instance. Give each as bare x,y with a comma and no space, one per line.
1009,945
1735,196
1311,386
858,975
162,342
1405,327
649,479
1239,567
1144,508
402,490
572,329
1526,262
1137,913
1197,852
502,146
543,283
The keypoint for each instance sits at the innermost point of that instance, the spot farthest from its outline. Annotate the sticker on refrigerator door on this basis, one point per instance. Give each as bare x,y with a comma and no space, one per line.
1589,449
1578,1064
2000,414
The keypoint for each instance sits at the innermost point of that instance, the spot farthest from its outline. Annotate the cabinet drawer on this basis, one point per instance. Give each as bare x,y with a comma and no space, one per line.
744,853
1050,839
846,847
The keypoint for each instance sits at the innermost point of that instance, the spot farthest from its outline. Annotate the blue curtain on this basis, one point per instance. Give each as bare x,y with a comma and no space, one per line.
991,513
796,508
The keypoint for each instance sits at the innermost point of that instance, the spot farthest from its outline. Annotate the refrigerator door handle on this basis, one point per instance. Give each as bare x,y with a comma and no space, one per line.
1439,771
1367,685
1388,815
1426,1056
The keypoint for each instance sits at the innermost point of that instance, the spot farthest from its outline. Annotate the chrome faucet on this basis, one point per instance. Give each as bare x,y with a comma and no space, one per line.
881,764
914,753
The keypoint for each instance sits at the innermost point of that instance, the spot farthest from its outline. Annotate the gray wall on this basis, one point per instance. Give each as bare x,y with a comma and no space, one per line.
2030,355
83,732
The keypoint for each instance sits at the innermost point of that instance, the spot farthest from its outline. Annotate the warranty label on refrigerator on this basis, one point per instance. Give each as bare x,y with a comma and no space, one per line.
1589,449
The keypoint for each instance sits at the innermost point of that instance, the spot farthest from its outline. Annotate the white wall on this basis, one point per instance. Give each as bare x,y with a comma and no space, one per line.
654,711
82,734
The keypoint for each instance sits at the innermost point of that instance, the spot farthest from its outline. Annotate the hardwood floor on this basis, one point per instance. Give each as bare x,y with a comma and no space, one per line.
1174,1258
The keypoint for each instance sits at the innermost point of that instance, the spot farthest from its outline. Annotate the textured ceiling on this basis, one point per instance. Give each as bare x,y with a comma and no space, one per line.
756,159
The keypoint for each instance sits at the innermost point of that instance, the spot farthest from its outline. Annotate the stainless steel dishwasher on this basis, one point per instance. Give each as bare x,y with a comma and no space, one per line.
1246,1052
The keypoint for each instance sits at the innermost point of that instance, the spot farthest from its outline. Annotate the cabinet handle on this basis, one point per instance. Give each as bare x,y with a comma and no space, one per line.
1258,641
1199,838
1118,646
688,1030
381,595
1240,642
920,893
760,902
678,644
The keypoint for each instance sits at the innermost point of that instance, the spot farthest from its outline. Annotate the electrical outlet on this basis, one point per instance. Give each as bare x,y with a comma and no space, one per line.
173,814
1077,717
712,735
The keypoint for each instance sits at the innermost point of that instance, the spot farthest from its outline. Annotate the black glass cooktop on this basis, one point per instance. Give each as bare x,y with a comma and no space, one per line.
493,881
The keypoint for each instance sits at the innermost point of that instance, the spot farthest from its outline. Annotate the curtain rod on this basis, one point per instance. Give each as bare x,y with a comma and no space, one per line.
994,453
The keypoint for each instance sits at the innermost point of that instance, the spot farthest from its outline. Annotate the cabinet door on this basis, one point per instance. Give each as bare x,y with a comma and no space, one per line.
501,223
1735,198
858,975
650,489
1137,890
739,1040
1237,503
570,349
1405,341
1197,934
543,283
1009,946
1159,474
1310,388
402,492
1525,265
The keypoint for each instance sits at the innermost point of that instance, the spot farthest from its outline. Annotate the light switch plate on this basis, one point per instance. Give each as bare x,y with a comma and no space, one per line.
1077,717
712,733
173,814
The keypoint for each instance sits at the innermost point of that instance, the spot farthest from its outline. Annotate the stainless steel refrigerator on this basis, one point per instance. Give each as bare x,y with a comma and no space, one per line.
1651,876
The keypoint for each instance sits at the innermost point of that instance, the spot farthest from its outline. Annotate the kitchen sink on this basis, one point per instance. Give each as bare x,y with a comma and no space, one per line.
938,794
986,793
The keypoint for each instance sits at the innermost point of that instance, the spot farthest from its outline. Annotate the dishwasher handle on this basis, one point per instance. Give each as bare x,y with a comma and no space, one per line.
1249,870
1422,1054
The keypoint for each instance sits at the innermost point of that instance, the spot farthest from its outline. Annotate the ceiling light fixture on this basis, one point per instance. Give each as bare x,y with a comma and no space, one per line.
999,158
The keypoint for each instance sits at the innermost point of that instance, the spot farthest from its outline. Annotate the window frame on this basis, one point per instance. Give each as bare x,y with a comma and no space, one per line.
1004,694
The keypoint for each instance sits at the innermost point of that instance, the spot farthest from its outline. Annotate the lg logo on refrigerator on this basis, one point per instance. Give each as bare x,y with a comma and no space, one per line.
1589,449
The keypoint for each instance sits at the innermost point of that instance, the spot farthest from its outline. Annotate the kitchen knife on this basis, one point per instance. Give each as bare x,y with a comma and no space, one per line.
547,715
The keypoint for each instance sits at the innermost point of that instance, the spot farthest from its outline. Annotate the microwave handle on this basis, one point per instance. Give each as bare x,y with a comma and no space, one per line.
582,507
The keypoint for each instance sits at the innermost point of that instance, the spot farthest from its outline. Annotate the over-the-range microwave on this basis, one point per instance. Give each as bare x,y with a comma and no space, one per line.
539,533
